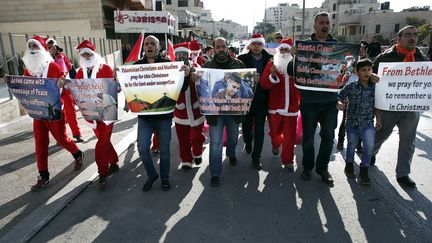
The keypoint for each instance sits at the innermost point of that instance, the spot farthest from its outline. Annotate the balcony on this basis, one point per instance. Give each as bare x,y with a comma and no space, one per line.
349,19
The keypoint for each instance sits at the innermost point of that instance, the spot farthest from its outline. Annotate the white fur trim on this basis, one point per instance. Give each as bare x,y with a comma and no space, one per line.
189,122
262,40
86,50
37,43
285,45
196,105
51,39
182,49
180,106
274,81
189,164
283,112
196,51
197,156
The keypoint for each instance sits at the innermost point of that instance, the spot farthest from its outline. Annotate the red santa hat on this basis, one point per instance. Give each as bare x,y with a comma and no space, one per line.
194,46
182,47
39,41
48,40
286,43
349,56
257,38
86,47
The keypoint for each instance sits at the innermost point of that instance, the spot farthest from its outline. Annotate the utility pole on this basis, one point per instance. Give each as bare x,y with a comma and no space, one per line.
303,19
265,16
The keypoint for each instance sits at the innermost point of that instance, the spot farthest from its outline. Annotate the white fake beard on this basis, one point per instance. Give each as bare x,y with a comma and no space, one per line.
36,61
281,61
88,63
194,57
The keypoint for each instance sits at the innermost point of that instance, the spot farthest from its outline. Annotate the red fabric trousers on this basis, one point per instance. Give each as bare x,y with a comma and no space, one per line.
105,153
41,131
70,112
191,140
283,132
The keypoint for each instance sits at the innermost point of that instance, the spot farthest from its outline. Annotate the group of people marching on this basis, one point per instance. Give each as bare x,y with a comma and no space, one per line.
276,99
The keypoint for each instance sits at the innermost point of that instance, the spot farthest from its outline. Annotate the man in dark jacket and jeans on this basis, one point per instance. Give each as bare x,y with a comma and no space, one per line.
404,51
257,58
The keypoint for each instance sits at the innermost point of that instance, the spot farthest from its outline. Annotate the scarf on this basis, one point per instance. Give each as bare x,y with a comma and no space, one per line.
409,55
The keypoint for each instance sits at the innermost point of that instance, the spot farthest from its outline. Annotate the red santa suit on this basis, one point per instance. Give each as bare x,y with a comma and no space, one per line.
195,50
283,110
41,128
188,120
105,154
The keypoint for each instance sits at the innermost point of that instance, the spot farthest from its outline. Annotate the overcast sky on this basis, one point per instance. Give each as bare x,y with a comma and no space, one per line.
248,12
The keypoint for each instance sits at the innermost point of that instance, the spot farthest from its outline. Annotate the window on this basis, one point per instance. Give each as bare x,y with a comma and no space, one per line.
377,29
183,3
298,28
396,29
363,31
334,6
333,16
168,2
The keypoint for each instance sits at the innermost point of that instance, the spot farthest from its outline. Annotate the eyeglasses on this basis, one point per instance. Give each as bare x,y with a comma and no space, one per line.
278,37
256,43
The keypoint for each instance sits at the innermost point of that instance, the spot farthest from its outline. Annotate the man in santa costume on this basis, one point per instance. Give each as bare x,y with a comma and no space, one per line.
283,104
68,103
39,63
188,120
93,66
195,49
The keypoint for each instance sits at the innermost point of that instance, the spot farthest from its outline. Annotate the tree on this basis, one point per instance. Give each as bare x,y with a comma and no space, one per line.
415,21
423,27
264,28
223,33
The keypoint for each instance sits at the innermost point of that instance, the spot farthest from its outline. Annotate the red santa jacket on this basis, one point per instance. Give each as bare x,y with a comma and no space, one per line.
186,111
53,71
104,71
284,97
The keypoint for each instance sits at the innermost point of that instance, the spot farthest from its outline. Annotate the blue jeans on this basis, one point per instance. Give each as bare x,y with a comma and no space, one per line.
326,115
216,142
367,135
163,131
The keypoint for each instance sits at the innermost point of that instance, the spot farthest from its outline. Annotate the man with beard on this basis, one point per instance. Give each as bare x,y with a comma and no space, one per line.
222,60
188,120
92,67
39,63
283,104
404,51
257,58
161,124
68,103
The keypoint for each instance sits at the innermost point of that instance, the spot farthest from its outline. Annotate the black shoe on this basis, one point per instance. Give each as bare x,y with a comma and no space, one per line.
40,184
275,151
198,161
148,185
340,146
405,181
165,185
102,182
373,160
326,177
78,163
78,139
364,177
233,160
349,170
185,168
248,148
113,168
257,164
306,174
214,181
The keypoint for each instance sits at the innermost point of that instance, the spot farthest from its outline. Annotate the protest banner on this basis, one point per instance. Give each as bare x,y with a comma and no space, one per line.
96,98
227,92
151,89
404,86
40,97
324,66
271,47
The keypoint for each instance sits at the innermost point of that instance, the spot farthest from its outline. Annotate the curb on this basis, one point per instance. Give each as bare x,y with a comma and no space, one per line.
32,224
18,123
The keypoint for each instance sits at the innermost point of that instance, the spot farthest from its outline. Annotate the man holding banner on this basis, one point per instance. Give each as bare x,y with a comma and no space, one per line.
404,51
39,63
93,66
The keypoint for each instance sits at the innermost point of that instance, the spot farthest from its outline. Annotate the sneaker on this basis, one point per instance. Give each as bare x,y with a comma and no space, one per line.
148,185
306,174
275,151
405,181
78,163
198,161
373,160
185,167
349,170
248,148
214,181
113,168
41,183
340,146
364,177
102,182
166,185
233,160
257,164
288,167
78,139
326,177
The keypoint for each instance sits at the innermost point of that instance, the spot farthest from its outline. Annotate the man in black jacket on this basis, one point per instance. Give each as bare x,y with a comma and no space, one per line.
222,60
404,51
159,123
257,58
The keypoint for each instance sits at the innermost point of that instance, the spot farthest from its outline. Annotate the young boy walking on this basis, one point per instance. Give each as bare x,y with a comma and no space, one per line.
359,99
